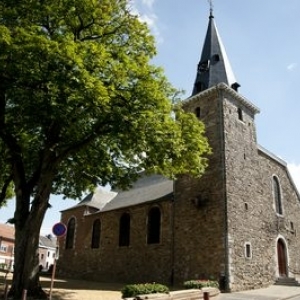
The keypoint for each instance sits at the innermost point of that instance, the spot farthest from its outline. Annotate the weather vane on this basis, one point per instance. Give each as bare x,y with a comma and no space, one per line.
210,2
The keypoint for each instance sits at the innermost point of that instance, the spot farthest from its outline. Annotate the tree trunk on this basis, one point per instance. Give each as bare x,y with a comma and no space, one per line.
26,267
27,232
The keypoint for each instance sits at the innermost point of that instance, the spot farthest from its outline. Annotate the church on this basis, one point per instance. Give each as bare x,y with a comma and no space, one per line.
238,223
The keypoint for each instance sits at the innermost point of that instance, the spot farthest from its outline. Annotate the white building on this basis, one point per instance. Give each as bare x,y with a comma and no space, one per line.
47,252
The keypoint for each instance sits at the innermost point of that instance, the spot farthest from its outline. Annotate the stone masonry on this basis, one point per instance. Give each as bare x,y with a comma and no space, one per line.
223,226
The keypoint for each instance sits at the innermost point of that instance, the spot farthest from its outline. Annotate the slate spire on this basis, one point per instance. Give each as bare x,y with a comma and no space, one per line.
214,66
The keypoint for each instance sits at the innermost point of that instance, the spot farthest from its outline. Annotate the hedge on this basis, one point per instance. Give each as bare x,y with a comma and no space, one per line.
132,290
199,284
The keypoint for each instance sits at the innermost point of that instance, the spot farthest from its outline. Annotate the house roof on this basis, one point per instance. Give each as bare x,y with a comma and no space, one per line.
47,241
214,66
7,231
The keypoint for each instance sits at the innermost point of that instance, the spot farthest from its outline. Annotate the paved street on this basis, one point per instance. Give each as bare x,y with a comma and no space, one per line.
275,292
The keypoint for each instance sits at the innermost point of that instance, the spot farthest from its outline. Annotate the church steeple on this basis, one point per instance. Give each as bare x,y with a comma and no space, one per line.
214,66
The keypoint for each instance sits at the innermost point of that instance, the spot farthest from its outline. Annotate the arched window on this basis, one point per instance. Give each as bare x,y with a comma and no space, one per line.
96,233
124,230
154,220
277,195
70,233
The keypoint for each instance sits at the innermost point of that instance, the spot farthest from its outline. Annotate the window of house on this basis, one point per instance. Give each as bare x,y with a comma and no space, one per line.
3,248
240,114
154,223
42,256
96,234
53,255
124,230
248,250
198,112
70,234
277,195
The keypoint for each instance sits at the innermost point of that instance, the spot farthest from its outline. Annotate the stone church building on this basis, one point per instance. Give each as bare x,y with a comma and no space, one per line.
238,223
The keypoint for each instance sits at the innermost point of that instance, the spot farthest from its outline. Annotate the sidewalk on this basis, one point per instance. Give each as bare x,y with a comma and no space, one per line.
274,292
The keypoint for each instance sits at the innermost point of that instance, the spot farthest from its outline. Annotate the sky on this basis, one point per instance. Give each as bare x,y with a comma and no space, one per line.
262,41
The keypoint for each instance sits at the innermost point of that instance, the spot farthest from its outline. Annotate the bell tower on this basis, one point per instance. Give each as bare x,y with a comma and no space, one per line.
205,208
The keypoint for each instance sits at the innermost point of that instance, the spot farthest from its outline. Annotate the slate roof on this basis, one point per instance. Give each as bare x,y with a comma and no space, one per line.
97,200
147,188
214,66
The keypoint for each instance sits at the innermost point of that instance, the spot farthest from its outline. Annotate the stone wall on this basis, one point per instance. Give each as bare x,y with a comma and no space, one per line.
200,224
139,262
222,226
252,219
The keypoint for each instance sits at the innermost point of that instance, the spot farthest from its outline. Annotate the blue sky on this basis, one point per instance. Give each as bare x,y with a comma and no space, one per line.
262,41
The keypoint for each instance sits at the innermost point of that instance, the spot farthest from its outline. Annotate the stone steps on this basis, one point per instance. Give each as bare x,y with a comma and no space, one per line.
288,281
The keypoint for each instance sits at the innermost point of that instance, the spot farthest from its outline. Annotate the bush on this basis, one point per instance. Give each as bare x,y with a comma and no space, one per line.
199,284
132,290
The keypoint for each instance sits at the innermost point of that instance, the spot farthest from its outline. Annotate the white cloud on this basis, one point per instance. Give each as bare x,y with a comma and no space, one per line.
149,19
144,10
292,66
148,3
295,172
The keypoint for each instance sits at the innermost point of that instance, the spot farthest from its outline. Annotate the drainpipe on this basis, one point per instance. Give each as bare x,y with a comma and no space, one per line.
172,235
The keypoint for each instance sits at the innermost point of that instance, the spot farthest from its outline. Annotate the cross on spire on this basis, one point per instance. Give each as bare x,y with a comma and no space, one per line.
211,7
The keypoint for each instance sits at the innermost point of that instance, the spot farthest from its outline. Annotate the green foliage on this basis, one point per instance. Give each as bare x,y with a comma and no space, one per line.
81,105
78,91
132,290
199,284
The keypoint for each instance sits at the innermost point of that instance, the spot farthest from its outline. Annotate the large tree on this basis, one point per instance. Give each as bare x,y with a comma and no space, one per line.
81,105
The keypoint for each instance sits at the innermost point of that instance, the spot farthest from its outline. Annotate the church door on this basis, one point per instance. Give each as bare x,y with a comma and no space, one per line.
281,252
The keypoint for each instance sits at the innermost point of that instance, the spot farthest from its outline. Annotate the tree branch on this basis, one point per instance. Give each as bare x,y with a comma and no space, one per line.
100,127
4,189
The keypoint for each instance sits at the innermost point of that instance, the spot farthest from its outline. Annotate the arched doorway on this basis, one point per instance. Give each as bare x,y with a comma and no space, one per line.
282,257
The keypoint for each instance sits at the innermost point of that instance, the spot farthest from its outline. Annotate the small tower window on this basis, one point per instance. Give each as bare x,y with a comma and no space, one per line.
248,250
292,226
240,114
216,57
198,112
